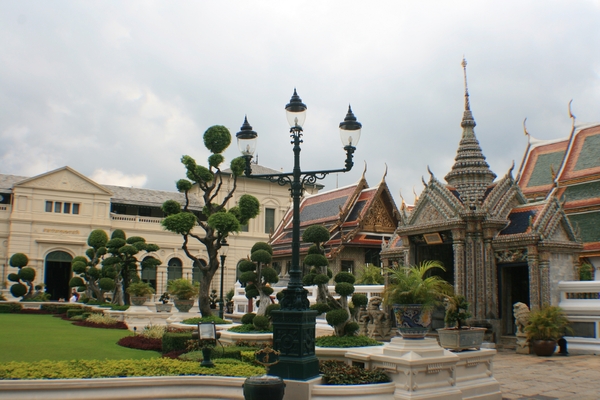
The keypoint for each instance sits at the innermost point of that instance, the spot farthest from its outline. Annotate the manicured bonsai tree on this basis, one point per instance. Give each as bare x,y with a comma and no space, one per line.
457,311
164,298
217,220
338,315
23,286
320,274
123,253
258,275
91,277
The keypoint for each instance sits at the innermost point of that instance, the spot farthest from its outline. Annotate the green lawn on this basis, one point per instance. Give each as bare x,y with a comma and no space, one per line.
44,337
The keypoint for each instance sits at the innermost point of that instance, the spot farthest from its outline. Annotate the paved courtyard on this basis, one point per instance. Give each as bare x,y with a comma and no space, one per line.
546,378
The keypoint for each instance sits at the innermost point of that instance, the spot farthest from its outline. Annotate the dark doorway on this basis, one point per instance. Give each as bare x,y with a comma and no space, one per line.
57,275
513,288
438,252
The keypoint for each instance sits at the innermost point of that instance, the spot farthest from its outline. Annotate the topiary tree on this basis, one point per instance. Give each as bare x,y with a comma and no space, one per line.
339,315
319,274
91,277
258,276
23,286
215,221
123,261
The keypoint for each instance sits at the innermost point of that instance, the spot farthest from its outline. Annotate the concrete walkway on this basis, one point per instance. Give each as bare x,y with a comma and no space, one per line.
546,378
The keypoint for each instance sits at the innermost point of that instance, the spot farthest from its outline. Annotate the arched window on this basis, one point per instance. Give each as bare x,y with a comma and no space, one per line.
174,269
57,275
196,271
149,273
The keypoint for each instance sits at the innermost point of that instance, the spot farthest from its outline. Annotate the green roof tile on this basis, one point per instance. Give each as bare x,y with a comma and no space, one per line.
589,155
588,224
584,191
542,174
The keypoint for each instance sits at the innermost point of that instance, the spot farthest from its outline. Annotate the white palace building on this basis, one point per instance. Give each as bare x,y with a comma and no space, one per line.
49,217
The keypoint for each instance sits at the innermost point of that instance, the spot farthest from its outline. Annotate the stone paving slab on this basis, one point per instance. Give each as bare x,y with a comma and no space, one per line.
529,377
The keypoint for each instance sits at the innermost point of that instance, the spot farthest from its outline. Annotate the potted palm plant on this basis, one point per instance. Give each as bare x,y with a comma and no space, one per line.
456,336
413,292
546,326
185,291
139,292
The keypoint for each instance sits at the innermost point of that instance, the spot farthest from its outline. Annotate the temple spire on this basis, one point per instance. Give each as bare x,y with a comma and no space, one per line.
468,122
471,174
464,65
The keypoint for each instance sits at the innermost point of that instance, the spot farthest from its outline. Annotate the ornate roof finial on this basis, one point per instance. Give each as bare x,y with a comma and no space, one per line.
464,65
525,127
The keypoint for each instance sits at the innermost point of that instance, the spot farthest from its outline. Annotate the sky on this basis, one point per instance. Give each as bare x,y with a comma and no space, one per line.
120,90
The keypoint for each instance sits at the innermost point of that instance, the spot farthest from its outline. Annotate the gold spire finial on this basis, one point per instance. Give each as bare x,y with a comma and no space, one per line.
464,65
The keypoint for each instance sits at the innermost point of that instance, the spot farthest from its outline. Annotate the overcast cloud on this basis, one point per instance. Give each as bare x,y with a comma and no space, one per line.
119,90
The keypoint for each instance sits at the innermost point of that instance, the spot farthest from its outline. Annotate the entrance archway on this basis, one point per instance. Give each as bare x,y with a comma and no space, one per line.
513,287
57,274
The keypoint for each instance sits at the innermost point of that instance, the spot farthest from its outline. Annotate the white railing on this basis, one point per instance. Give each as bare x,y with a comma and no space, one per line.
581,302
240,302
135,218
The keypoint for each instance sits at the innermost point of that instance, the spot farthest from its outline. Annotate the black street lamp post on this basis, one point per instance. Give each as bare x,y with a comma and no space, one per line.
224,249
294,323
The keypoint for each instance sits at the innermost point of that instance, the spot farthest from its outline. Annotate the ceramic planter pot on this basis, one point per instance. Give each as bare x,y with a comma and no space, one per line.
544,348
461,339
184,305
160,307
138,300
413,320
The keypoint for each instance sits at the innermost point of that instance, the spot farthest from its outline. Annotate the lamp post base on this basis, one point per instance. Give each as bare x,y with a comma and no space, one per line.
294,337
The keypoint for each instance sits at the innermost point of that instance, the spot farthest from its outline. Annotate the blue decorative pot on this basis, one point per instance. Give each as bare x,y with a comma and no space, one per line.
412,320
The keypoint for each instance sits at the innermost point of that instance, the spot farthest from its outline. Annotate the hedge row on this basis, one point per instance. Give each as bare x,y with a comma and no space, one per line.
175,341
81,369
8,308
60,308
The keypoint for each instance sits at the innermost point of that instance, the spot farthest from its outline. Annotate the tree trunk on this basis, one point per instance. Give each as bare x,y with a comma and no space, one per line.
203,299
323,289
118,293
265,301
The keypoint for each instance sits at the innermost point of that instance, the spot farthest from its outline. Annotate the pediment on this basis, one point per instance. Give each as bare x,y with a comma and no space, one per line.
560,234
64,179
427,214
379,218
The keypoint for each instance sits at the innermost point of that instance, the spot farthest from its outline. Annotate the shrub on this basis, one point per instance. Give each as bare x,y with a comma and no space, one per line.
210,318
85,369
59,308
141,343
270,308
346,341
8,308
174,341
248,318
118,325
351,328
248,328
586,272
73,312
320,307
153,332
261,322
337,317
101,319
340,373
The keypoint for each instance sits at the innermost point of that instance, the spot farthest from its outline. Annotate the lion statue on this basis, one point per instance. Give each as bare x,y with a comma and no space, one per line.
374,321
521,313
